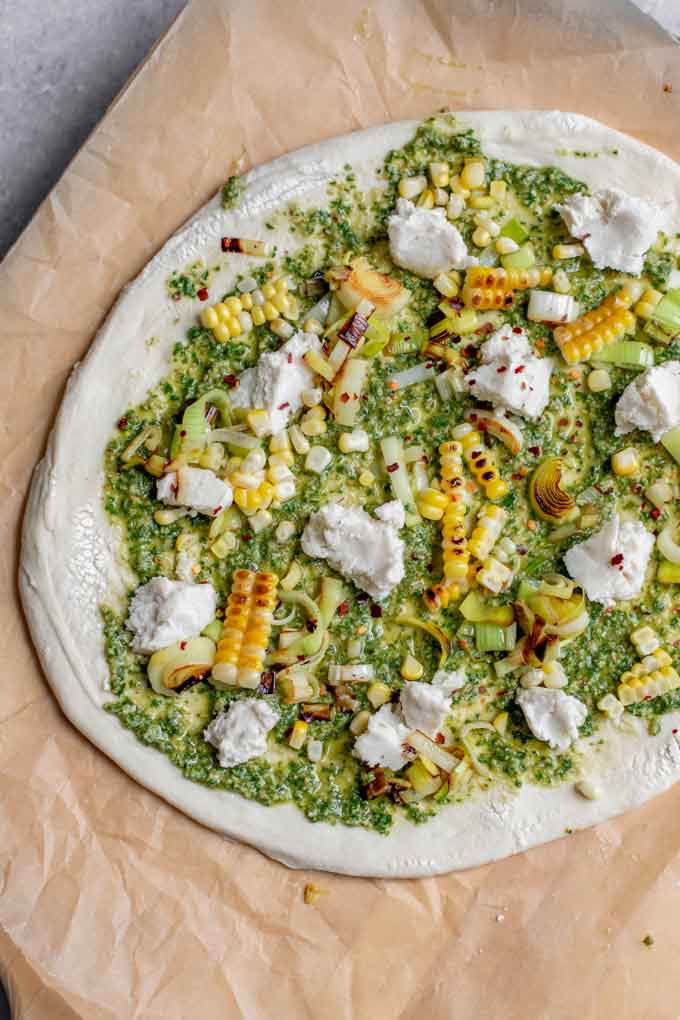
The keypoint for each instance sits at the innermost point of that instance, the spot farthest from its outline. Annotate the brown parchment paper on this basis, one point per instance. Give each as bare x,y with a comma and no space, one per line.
113,905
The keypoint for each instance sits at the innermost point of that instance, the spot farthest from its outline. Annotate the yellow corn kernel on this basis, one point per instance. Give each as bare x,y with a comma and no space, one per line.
440,175
494,575
426,200
209,318
269,291
487,531
367,479
234,305
411,669
411,187
282,303
441,595
500,723
258,316
298,735
234,326
597,328
247,302
446,284
313,326
481,237
285,457
312,427
279,442
432,504
646,640
647,303
222,546
221,332
270,311
378,694
498,190
222,312
259,422
472,174
293,312
281,285
626,462
481,202
567,251
252,500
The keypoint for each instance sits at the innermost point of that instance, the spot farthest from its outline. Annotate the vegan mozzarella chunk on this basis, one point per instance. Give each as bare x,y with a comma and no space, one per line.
611,565
196,488
651,402
616,229
277,382
163,611
240,733
552,715
363,549
382,743
424,706
449,681
424,242
510,375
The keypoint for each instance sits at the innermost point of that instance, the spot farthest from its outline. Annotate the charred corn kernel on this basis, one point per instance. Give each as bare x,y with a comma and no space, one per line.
494,575
483,466
312,326
647,303
298,735
247,302
279,442
411,187
441,595
451,468
259,421
599,380
446,284
481,202
643,688
432,504
490,523
378,694
473,173
221,332
626,462
209,318
481,237
270,310
498,190
561,282
258,316
500,723
411,669
506,245
455,206
293,577
597,329
366,479
567,251
298,439
269,291
223,545
440,174
646,640
312,427
234,305
253,646
426,199
225,668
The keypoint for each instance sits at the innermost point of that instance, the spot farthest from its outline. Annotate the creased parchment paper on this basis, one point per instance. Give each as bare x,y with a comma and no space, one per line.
113,905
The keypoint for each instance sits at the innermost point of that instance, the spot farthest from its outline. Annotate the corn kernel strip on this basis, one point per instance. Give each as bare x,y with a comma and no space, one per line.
487,288
245,632
455,554
483,466
597,329
642,688
490,521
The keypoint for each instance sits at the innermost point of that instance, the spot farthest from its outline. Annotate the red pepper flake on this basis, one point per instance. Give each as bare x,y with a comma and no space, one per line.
534,450
439,738
216,511
519,369
578,423
122,423
231,380
471,382
674,731
392,467
648,697
284,405
636,488
182,433
482,690
362,596
202,294
516,329
343,608
231,244
562,422
376,611
289,359
344,397
616,560
503,368
182,645
516,477
247,537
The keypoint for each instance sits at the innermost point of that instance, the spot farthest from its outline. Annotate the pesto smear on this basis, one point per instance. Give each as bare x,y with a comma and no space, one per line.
321,776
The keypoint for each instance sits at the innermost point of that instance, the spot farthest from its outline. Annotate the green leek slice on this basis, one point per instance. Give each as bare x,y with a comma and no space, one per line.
671,442
627,354
524,258
515,231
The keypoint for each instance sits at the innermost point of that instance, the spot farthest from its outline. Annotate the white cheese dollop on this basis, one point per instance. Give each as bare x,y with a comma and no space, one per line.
164,611
276,383
510,375
392,513
552,716
240,733
610,566
424,242
196,488
424,706
616,229
367,551
651,402
449,680
382,743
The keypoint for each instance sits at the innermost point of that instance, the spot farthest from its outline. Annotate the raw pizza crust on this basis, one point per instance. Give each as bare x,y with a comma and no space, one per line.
69,563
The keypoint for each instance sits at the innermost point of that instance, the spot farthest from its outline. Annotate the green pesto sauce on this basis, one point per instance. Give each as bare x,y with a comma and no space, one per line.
578,426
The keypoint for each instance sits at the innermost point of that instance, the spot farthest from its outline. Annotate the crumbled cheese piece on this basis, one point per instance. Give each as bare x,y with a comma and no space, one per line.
651,402
424,242
382,743
278,380
510,375
196,488
449,680
611,565
366,551
392,513
552,716
164,611
424,707
617,229
240,733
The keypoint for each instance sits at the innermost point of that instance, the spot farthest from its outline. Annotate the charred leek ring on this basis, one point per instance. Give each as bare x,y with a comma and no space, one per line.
549,500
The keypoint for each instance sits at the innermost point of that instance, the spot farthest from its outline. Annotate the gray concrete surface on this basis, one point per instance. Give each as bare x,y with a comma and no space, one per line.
61,64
